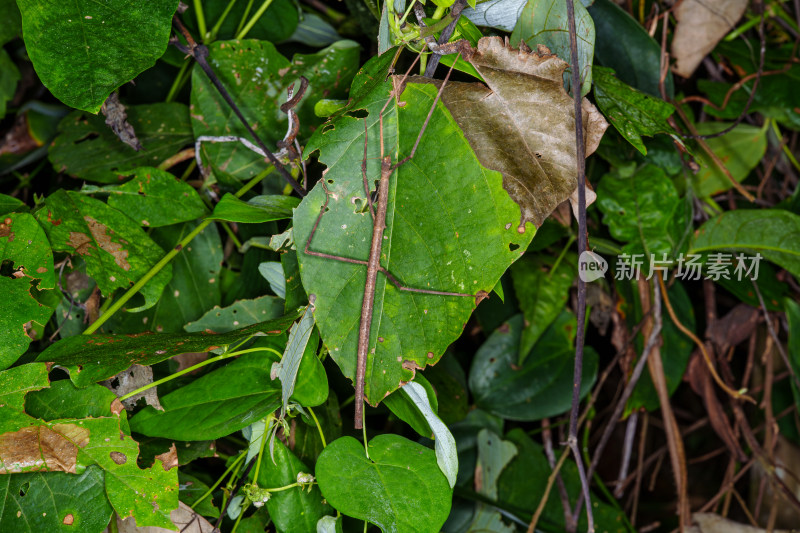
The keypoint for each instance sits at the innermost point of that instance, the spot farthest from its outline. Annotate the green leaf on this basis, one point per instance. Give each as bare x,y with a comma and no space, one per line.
493,456
436,202
445,444
191,489
542,293
773,233
9,76
450,383
257,209
307,441
402,406
116,250
100,356
55,502
545,22
83,50
23,243
542,386
793,347
9,204
16,382
286,370
63,400
522,484
645,211
273,273
257,77
275,25
741,150
12,26
87,149
294,510
399,488
240,314
329,524
17,308
632,112
624,45
153,198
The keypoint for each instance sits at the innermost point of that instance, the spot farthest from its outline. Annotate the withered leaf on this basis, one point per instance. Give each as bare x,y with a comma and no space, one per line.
523,123
184,518
129,380
117,120
37,448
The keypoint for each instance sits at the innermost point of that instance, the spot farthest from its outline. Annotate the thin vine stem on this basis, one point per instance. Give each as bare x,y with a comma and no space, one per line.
217,483
319,427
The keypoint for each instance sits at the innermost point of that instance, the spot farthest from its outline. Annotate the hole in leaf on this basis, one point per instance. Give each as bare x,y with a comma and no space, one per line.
23,489
357,113
89,137
513,247
327,127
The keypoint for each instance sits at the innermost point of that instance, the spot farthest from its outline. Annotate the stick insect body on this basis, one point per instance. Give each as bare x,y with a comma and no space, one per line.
373,265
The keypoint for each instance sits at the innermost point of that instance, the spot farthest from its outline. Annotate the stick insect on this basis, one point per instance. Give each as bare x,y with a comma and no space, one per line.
377,208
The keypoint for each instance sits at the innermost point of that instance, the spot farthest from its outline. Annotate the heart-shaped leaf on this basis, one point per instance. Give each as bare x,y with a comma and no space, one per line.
399,488
450,227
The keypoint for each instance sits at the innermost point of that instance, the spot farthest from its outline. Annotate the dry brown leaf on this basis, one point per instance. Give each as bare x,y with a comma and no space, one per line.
131,379
712,523
523,123
169,459
37,448
117,120
184,518
701,25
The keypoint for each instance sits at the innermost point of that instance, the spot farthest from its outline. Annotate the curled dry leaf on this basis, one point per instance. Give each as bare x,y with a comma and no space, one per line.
129,380
117,120
701,24
522,123
169,459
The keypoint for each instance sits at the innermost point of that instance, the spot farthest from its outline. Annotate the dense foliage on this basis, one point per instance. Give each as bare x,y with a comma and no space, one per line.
223,224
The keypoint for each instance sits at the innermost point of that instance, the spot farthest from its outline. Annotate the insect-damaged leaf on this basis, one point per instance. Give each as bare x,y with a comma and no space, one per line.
100,356
116,250
450,227
523,124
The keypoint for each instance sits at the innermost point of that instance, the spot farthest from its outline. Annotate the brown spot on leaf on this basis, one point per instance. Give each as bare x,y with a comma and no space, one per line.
169,459
118,457
68,520
105,242
37,448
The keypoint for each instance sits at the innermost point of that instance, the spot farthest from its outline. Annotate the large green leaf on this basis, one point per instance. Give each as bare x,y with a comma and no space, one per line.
632,112
740,150
258,209
542,288
542,386
17,308
86,148
399,488
545,22
773,233
644,211
55,502
9,76
624,45
225,400
153,198
100,356
295,510
116,250
84,50
257,75
450,227
239,314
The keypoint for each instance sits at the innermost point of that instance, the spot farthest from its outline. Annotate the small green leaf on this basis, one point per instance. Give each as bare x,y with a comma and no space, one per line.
55,502
740,150
287,369
116,250
624,45
100,356
23,243
542,293
83,50
9,204
237,315
329,524
295,510
399,488
632,112
16,382
257,209
153,198
545,22
404,408
18,307
273,273
9,76
539,388
445,444
645,211
87,149
773,233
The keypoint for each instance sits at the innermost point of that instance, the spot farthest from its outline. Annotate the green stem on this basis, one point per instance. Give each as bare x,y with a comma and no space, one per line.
561,255
319,428
254,19
364,432
239,518
217,483
244,16
231,234
178,82
193,368
201,18
220,20
267,423
439,13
